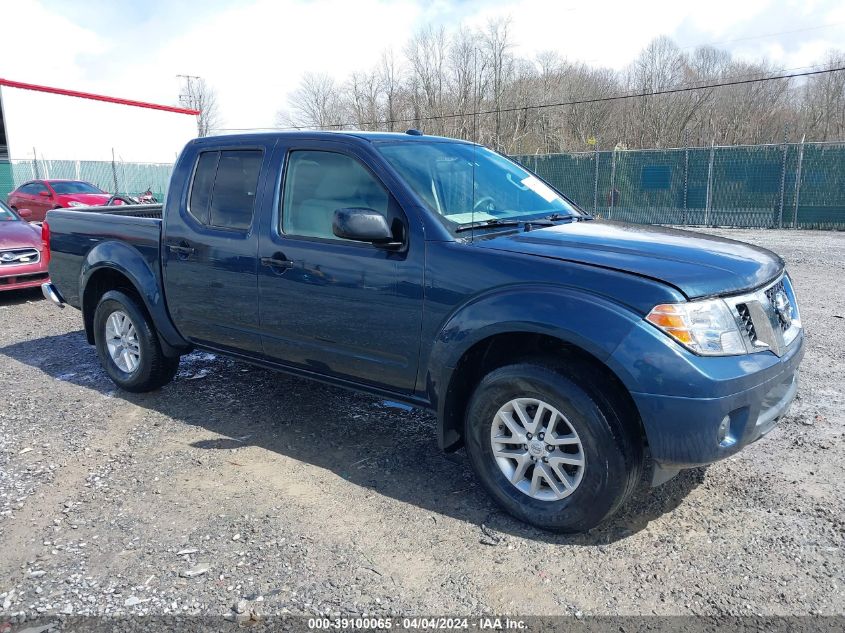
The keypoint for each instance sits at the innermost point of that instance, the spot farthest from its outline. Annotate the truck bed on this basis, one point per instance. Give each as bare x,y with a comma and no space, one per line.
76,232
126,210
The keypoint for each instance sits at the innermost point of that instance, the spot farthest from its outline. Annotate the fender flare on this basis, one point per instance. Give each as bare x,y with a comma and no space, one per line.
591,322
125,259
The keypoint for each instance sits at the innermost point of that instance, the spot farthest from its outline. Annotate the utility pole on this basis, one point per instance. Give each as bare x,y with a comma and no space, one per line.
188,97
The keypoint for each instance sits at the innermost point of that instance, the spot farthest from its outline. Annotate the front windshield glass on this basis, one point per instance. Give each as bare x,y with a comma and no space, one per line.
74,186
467,183
6,214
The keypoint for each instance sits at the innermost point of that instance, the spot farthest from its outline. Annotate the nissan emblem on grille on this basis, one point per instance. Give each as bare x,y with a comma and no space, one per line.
8,257
783,308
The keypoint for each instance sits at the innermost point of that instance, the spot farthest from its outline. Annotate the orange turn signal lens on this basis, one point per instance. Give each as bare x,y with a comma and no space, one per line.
682,334
661,319
670,318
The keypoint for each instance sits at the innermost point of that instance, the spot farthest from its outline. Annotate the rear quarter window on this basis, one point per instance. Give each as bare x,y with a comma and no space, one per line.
224,188
198,205
233,194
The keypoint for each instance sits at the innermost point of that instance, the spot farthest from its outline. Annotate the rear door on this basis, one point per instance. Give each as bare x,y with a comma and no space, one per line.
209,247
27,197
334,306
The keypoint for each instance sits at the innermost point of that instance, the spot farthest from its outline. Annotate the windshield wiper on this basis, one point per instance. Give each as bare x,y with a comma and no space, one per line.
556,217
488,224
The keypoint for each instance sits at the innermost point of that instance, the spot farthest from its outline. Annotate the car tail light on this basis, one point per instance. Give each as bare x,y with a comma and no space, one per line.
45,242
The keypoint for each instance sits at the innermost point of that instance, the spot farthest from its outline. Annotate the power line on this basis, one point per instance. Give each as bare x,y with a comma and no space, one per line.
763,35
540,106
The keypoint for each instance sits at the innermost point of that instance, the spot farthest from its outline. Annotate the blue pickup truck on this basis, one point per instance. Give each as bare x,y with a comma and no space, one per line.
567,354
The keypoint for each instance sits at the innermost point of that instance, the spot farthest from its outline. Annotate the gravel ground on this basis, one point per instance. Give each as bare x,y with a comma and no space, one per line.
236,490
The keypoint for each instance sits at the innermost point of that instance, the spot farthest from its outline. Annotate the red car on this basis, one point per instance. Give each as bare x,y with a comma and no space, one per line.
39,196
23,256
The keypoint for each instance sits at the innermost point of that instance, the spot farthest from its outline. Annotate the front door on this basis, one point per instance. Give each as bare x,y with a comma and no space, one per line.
334,306
210,249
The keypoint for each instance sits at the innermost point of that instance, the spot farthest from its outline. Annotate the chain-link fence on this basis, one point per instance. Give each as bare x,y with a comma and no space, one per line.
770,186
113,177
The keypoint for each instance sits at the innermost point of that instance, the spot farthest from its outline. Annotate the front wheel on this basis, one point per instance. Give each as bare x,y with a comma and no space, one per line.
128,345
552,445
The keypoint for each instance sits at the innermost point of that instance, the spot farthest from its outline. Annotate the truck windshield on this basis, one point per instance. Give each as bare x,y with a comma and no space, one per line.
466,183
6,214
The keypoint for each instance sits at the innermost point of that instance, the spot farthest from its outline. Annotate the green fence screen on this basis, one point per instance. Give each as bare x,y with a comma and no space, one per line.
113,177
771,186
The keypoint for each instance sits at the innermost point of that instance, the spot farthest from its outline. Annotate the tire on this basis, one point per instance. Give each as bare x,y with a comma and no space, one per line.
609,445
151,369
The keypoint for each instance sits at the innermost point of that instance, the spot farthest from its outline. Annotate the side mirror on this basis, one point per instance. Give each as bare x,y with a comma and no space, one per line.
363,225
25,213
45,194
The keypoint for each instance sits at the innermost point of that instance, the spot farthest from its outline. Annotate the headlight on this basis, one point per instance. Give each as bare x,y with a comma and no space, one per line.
74,203
704,327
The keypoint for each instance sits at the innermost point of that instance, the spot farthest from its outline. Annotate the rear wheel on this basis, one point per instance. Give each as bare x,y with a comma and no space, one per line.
128,346
552,445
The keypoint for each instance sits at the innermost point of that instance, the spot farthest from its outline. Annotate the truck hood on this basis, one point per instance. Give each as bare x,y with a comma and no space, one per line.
698,265
18,234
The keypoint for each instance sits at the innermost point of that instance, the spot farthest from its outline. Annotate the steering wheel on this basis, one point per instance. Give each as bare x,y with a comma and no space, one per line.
482,201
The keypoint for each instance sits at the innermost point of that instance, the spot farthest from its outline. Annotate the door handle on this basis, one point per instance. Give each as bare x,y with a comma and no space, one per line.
277,261
181,250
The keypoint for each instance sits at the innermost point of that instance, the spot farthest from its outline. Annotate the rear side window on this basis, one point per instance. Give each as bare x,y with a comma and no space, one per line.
224,188
201,189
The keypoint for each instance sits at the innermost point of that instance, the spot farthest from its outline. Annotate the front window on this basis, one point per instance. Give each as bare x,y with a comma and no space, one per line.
466,183
6,214
71,187
318,183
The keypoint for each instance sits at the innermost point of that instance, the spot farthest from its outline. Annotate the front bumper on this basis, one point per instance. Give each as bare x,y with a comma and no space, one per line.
697,410
26,276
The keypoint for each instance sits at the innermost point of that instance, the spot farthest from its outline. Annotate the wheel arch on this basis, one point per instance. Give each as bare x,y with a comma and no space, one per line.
563,324
118,266
509,348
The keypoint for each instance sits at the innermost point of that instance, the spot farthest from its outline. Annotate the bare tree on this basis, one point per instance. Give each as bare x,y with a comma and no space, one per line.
317,103
468,83
497,46
198,95
426,53
824,102
364,90
389,78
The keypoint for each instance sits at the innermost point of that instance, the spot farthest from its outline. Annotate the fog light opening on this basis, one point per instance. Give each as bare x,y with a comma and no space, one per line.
723,435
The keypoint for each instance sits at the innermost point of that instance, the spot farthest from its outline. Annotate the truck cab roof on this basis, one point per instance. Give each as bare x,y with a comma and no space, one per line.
356,135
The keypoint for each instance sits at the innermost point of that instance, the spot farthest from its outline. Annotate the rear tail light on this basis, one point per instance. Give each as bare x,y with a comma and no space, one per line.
45,242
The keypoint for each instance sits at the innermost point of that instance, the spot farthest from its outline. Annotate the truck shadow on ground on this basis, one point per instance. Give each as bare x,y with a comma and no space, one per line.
372,443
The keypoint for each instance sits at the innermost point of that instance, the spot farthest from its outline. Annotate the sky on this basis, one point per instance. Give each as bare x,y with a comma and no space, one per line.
254,53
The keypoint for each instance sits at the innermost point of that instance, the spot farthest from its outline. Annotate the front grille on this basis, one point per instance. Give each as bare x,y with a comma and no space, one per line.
768,318
747,322
19,257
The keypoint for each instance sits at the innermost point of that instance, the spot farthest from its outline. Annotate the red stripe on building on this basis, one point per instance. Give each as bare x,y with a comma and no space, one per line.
94,97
